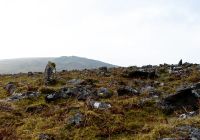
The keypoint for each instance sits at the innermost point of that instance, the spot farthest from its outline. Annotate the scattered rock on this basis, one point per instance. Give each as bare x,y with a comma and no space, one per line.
79,92
77,119
104,93
126,90
52,97
180,71
30,74
103,71
10,87
141,73
99,105
26,95
150,91
147,89
45,137
194,133
162,84
173,139
188,115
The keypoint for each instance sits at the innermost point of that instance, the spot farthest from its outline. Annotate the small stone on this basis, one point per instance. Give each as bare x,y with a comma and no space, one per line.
10,87
99,105
19,96
52,97
104,93
45,137
77,119
30,74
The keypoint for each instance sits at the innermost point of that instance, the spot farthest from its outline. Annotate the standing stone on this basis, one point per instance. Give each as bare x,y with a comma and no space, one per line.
50,73
180,63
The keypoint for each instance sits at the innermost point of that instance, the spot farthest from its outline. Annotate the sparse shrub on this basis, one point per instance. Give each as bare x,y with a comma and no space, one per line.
46,90
60,81
8,133
194,77
39,82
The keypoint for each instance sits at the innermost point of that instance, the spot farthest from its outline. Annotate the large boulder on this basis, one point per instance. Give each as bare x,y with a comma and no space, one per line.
183,98
139,73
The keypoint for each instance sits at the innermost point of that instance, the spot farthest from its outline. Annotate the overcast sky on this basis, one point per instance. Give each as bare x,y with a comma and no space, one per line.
122,32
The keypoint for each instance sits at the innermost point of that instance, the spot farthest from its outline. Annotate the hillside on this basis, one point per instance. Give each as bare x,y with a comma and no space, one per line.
134,103
38,64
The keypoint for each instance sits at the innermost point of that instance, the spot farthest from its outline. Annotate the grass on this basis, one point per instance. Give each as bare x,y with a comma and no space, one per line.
126,120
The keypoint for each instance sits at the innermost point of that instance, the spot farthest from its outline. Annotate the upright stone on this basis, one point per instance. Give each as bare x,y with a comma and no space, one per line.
180,63
50,73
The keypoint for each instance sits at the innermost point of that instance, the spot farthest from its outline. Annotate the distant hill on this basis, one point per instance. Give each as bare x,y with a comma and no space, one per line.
38,64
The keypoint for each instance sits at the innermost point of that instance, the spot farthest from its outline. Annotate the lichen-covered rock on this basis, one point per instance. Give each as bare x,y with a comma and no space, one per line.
99,105
26,95
78,92
194,133
186,97
45,137
139,73
10,87
52,97
127,91
77,119
104,93
50,73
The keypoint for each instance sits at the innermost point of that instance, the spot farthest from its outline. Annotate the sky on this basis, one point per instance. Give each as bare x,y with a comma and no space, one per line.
121,32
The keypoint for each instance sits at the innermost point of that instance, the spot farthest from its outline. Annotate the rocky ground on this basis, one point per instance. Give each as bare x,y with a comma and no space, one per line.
140,103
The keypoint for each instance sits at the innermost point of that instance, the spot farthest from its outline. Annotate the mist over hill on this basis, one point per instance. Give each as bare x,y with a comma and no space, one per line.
38,64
